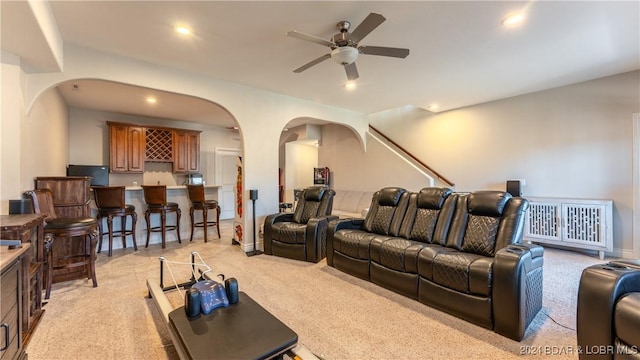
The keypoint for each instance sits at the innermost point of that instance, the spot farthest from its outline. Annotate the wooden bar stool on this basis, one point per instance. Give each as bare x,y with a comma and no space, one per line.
156,198
110,203
73,228
198,202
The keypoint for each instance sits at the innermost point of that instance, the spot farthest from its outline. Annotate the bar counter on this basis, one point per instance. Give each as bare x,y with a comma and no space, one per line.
175,193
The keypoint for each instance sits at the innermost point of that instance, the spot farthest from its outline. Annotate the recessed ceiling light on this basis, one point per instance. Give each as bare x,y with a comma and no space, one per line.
183,30
513,20
433,107
350,85
151,100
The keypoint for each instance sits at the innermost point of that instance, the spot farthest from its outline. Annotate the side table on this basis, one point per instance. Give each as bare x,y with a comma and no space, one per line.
28,228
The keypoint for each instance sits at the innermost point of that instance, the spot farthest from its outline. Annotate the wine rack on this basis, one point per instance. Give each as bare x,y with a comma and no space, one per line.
159,146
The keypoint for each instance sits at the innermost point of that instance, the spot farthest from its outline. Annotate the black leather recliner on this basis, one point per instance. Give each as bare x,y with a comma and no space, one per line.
301,235
608,311
460,253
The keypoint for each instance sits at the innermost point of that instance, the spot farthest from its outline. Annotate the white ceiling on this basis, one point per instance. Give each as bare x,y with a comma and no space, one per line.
460,53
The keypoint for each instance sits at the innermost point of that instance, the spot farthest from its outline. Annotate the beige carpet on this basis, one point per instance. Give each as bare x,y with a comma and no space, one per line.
335,315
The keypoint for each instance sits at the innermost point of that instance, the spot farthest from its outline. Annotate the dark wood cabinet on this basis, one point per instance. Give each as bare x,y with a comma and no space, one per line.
187,151
126,148
28,228
13,284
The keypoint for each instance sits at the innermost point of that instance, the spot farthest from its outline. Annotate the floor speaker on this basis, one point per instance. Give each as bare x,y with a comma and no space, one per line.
513,188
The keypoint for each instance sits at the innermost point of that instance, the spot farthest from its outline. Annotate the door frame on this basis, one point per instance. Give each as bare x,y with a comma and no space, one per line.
219,153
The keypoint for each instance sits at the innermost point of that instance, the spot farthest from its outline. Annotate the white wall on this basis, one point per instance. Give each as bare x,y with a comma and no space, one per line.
575,141
354,169
261,115
34,143
301,158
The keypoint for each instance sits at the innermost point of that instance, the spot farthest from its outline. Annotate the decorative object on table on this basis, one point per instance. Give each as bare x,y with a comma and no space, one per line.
253,195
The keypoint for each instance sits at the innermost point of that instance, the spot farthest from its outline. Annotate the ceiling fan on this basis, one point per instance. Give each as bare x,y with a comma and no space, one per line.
344,46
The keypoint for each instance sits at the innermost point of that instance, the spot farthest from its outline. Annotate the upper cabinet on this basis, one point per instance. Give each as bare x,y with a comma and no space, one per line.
131,145
186,157
126,148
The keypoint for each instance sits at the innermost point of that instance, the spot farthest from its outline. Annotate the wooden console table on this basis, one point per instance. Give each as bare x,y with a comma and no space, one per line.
28,228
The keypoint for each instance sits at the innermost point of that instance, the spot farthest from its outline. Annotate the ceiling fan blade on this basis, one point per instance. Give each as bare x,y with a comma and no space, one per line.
311,38
371,22
311,63
352,71
384,51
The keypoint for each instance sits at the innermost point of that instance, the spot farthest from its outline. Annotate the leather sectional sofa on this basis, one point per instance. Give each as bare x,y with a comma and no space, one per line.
608,311
459,253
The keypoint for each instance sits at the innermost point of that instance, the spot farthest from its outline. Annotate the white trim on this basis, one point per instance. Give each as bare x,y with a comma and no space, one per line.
636,184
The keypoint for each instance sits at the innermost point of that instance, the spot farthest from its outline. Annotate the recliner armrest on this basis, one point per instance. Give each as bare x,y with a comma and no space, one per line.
600,288
316,237
268,223
336,225
517,288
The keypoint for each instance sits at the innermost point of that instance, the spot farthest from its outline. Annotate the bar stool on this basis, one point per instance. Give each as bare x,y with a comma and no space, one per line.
198,202
85,227
156,198
110,203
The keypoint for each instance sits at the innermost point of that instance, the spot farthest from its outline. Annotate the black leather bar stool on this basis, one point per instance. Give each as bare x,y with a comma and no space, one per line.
110,203
156,198
198,202
73,228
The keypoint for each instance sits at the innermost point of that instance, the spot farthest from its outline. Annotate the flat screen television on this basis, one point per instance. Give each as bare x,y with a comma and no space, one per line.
99,173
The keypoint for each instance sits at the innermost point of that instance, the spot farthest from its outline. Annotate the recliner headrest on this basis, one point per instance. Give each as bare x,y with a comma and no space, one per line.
314,193
432,198
390,196
488,203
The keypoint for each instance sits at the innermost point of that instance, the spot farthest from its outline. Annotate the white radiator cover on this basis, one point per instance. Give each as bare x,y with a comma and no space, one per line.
578,223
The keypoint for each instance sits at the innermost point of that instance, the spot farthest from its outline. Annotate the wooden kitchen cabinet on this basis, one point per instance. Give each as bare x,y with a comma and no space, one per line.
126,148
186,157
131,145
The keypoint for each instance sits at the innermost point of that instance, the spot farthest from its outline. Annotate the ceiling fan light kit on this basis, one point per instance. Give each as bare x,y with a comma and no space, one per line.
344,45
344,55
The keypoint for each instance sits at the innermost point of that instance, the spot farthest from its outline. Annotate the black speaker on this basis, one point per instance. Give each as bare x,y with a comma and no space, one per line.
253,194
231,287
22,206
513,188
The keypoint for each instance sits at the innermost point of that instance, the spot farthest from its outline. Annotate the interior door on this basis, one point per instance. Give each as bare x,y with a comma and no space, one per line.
226,175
